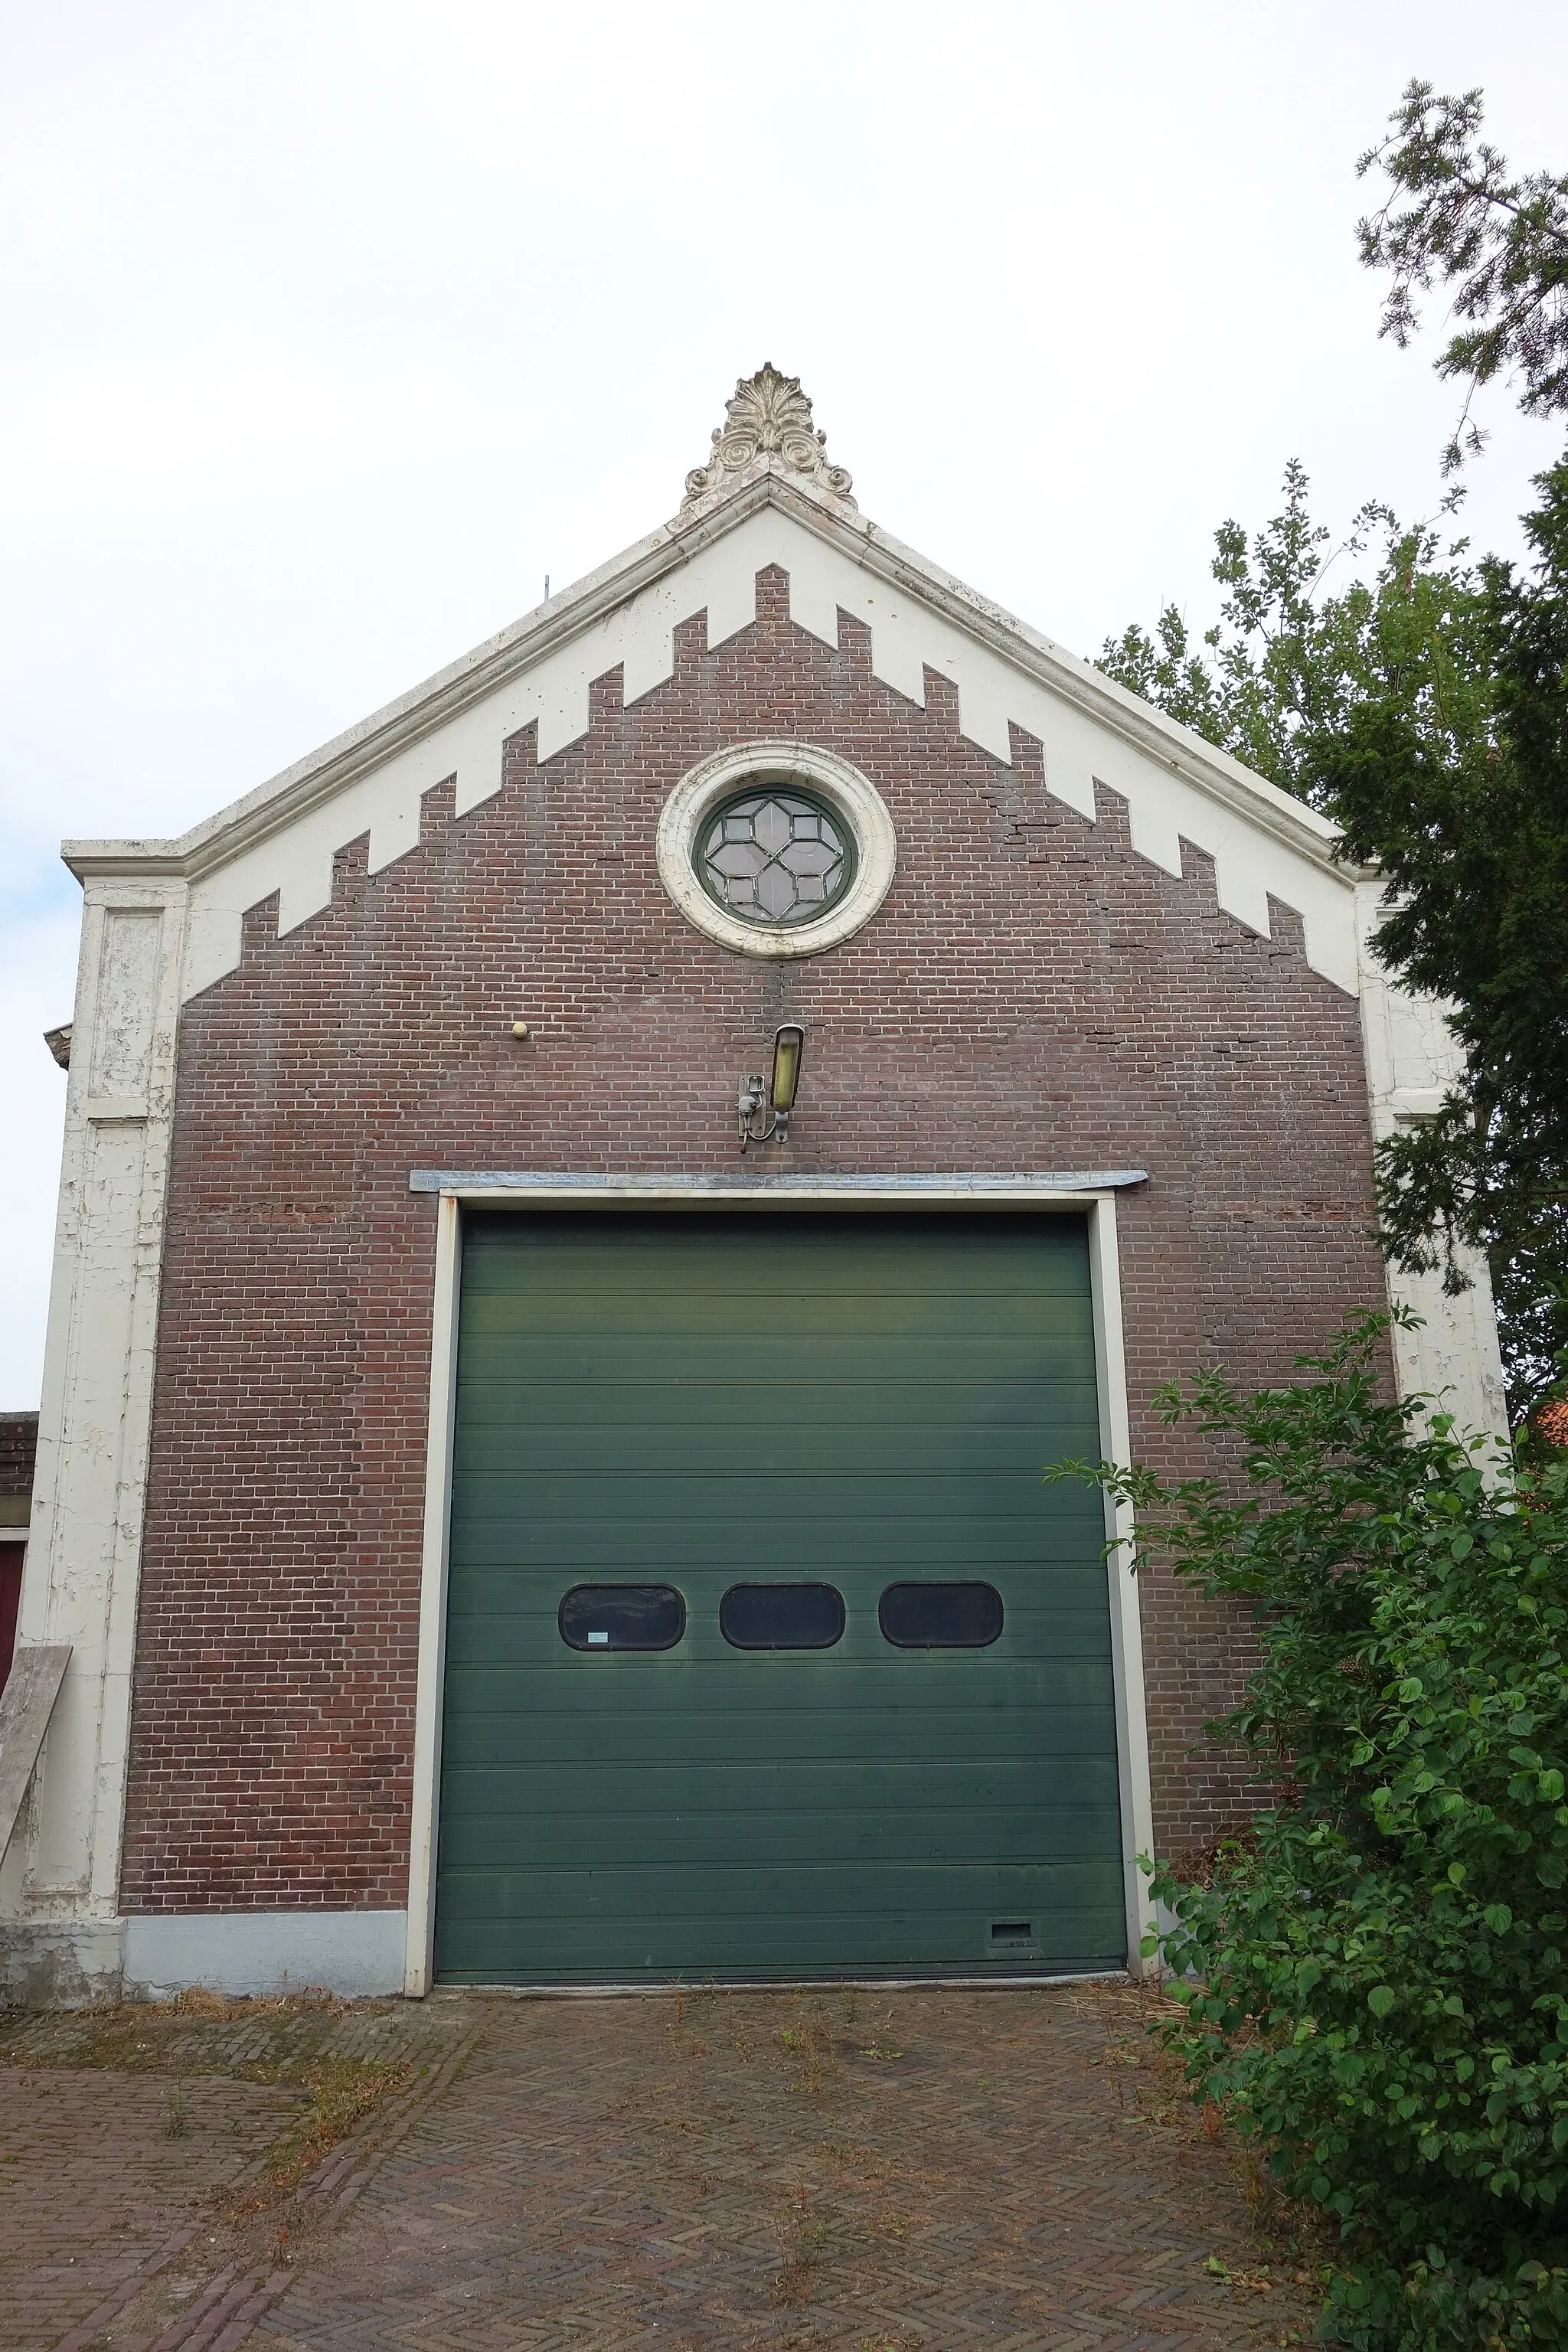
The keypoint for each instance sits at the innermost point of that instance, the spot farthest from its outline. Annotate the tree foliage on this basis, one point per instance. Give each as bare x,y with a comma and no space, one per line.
1454,215
1425,708
1473,839
1289,660
1374,1985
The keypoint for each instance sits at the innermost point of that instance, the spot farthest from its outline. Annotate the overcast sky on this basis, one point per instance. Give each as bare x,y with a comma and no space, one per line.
330,329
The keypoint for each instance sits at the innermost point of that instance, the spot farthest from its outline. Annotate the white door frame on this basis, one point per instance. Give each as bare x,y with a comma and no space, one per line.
1095,1193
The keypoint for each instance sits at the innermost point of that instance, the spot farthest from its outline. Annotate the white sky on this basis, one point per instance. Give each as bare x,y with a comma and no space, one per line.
330,326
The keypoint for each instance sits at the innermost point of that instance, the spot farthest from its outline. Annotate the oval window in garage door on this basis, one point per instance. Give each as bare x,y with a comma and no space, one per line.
622,1617
940,1616
781,1616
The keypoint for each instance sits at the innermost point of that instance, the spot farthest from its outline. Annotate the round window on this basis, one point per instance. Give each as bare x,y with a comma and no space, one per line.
774,855
776,849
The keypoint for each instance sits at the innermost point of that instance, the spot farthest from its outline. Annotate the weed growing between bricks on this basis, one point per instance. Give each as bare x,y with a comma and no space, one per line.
194,2036
342,2093
848,2203
1293,2251
205,2032
842,2169
138,2038
350,2074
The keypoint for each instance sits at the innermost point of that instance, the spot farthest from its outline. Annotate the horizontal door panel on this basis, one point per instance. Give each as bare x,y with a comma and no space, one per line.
1015,1836
712,1741
732,1494
761,1363
554,1791
646,1323
755,1548
520,1450
902,1400
849,1890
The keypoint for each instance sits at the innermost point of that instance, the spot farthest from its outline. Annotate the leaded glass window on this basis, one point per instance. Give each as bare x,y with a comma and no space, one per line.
775,856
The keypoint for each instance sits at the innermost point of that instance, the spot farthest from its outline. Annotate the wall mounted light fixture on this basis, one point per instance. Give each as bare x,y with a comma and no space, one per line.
772,1104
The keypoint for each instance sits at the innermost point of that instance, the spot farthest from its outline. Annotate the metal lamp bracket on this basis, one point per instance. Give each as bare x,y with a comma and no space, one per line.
751,1105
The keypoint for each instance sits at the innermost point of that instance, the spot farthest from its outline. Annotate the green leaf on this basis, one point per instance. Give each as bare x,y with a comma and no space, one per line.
1358,1990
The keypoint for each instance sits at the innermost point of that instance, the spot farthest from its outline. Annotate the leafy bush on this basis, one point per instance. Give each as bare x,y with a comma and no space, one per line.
1374,1984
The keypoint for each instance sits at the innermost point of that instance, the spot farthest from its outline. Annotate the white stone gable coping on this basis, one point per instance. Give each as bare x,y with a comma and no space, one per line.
283,836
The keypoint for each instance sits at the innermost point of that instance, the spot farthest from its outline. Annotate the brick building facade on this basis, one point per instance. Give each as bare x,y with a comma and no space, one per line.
1102,951
18,1445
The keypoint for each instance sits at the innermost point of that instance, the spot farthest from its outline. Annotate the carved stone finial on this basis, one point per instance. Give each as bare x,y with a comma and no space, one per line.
767,428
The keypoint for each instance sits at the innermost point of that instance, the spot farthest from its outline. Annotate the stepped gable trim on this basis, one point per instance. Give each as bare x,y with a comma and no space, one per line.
571,640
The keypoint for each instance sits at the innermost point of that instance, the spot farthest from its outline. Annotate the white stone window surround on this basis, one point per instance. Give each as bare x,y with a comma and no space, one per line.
850,795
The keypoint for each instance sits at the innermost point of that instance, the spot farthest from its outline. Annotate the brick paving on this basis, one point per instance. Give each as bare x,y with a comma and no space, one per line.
128,2136
875,2172
868,2172
93,2188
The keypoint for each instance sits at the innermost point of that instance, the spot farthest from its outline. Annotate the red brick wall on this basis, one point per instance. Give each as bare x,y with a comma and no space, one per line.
19,1448
1032,995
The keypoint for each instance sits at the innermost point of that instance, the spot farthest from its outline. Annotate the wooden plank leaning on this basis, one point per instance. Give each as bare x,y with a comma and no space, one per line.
27,1703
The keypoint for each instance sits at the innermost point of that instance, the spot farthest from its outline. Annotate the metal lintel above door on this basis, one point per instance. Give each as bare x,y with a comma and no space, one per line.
960,1186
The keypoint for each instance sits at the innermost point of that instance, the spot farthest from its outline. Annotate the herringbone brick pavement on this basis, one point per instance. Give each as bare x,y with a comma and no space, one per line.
139,2205
995,2171
94,2188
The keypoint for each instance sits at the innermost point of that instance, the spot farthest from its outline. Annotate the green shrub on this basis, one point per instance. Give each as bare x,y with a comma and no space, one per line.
1374,1984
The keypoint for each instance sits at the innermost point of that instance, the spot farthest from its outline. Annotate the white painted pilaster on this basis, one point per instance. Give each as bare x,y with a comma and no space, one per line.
1412,1059
84,1556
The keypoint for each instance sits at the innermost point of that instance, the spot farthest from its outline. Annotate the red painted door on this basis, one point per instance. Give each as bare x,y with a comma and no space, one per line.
10,1596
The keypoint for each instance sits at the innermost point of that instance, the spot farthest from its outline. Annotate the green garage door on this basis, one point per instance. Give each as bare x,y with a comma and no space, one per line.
767,1652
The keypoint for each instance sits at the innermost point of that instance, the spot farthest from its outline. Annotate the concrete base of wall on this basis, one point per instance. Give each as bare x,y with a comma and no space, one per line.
352,1953
60,1966
346,1952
